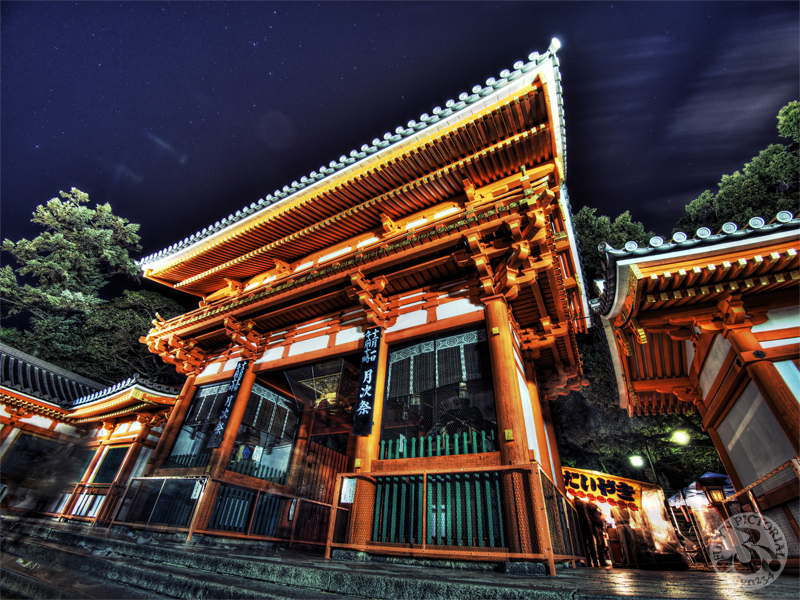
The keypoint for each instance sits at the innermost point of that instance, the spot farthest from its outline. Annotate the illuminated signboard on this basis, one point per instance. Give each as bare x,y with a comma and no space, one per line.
603,489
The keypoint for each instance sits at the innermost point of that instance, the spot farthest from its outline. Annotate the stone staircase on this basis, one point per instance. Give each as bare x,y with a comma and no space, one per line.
41,561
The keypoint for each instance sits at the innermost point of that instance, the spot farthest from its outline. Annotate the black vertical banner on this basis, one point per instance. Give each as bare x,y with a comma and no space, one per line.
367,381
219,431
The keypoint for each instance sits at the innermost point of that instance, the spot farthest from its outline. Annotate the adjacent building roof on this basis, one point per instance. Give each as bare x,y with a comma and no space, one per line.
41,380
649,298
43,388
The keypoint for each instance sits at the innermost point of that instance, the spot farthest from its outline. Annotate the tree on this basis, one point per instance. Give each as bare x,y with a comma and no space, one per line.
766,185
592,230
591,430
54,295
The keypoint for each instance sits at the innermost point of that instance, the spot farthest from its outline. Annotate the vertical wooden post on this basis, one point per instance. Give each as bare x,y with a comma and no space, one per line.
298,461
538,418
221,455
558,476
124,471
337,490
512,436
540,517
87,474
173,426
769,382
366,450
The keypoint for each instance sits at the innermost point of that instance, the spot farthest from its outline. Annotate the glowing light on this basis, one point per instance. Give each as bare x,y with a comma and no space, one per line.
416,223
555,44
680,437
366,242
445,212
637,461
335,253
304,266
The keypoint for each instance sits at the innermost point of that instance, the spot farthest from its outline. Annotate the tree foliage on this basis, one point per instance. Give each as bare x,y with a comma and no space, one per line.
591,430
55,293
592,230
766,185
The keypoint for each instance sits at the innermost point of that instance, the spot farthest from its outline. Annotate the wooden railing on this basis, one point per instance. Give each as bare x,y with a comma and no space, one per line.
438,445
499,512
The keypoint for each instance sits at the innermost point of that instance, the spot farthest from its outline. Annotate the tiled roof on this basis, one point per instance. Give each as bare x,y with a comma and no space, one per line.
681,242
44,381
27,374
400,133
136,380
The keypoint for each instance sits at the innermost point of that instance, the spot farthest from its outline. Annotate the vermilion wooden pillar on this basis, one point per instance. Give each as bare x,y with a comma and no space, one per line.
219,456
366,450
769,382
543,455
512,436
124,472
297,465
173,426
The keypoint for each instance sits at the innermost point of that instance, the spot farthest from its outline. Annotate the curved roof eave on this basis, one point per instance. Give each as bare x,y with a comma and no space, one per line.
620,260
510,82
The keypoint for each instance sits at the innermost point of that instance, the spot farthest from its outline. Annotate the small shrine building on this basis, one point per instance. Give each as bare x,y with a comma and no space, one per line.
712,324
376,344
70,445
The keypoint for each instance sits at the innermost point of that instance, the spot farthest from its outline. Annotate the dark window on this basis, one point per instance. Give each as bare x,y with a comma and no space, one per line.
265,439
110,465
190,449
439,387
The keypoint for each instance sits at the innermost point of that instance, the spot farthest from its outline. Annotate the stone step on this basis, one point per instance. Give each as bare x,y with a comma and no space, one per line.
225,570
80,572
26,577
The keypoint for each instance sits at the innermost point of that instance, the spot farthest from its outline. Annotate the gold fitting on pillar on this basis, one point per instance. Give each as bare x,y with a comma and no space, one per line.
509,435
495,331
357,464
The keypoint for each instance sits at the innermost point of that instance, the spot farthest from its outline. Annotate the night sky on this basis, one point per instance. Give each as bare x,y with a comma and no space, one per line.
181,113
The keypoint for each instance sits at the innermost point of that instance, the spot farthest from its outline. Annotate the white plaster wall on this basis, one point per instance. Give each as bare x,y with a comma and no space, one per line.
351,334
779,318
790,375
412,319
66,429
713,365
211,369
310,345
231,364
462,306
271,354
753,437
527,413
38,421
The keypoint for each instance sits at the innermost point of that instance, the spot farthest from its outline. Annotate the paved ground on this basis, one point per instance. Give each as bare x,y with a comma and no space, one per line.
270,572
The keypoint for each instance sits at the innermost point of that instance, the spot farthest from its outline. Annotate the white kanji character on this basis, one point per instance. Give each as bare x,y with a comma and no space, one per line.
363,408
367,376
366,391
369,356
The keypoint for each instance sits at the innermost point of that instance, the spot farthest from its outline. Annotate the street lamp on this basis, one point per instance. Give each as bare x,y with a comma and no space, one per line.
637,461
680,437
